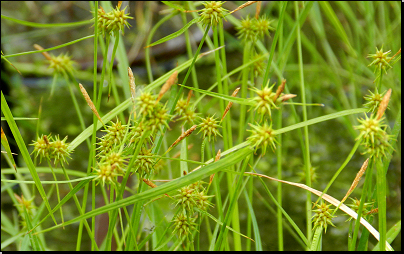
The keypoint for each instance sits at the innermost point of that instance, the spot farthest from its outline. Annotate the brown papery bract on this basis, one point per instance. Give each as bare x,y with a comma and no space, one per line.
170,81
383,104
356,180
90,102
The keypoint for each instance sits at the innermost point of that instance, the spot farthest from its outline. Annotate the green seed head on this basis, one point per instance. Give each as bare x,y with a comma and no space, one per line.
322,217
262,136
373,101
42,147
113,21
209,127
247,31
62,63
144,164
183,224
106,174
60,150
264,101
212,13
381,60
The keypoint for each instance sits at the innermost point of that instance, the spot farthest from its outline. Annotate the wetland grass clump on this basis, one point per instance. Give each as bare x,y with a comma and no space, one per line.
140,152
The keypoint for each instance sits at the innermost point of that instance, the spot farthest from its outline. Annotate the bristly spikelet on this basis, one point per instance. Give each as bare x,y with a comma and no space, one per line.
264,101
183,225
146,102
117,160
42,148
106,174
355,206
158,119
144,164
209,127
247,31
322,217
113,21
113,137
381,60
373,101
263,26
374,136
262,136
60,151
181,107
212,13
62,63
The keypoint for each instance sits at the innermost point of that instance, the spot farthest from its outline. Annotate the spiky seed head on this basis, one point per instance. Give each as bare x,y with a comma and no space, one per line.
189,116
113,21
147,103
262,136
183,224
62,63
181,107
158,119
42,147
247,31
212,13
263,26
355,206
106,173
60,151
381,60
116,159
373,101
264,101
209,127
322,217
144,164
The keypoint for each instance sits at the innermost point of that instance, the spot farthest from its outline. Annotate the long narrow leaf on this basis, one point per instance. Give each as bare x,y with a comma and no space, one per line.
173,35
23,149
165,188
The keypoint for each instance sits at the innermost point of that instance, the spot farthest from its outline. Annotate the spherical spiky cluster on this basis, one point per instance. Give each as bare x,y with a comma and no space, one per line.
373,101
189,116
107,173
144,165
113,21
247,30
193,195
62,63
381,60
48,148
60,150
374,137
262,136
209,127
137,131
355,206
322,217
183,224
251,29
113,137
147,102
212,13
158,119
181,106
154,115
116,160
264,100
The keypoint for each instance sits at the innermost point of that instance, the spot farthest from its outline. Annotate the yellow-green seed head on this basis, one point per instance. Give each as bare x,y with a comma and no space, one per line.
262,136
322,217
212,13
209,127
